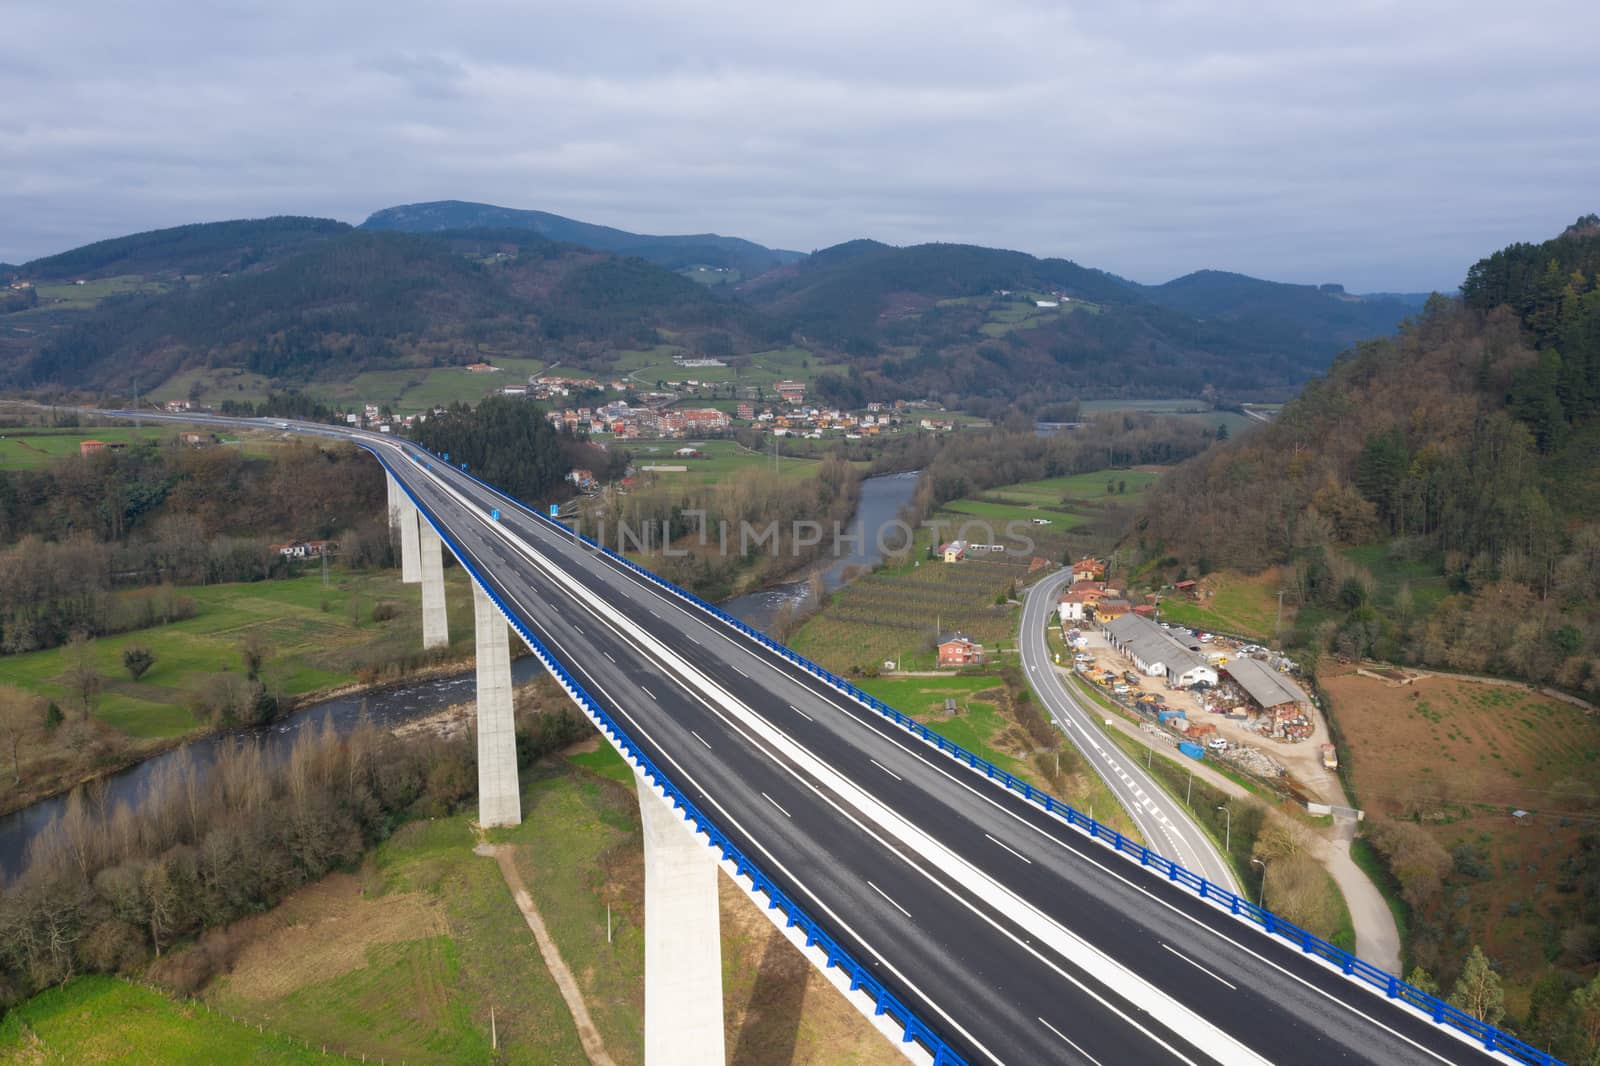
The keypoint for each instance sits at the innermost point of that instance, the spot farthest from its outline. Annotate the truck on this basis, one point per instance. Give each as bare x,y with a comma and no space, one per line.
1330,757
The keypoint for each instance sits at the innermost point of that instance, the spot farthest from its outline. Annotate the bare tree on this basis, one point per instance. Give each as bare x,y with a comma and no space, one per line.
253,648
19,717
82,679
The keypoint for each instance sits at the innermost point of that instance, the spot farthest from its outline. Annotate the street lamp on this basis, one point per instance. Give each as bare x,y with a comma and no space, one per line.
1227,835
1261,900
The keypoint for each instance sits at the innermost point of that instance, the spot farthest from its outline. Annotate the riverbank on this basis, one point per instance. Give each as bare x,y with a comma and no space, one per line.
308,641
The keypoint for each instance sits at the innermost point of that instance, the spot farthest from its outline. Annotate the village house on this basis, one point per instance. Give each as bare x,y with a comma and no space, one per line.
1088,569
1111,607
958,649
954,551
793,392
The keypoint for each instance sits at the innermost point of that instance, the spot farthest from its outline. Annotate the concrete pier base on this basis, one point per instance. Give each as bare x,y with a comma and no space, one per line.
410,542
499,797
435,622
682,940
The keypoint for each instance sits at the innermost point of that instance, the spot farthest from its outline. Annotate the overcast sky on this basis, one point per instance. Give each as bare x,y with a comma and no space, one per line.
1385,146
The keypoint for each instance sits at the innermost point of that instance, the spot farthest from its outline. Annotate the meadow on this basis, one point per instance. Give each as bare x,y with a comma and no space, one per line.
106,1019
722,459
33,448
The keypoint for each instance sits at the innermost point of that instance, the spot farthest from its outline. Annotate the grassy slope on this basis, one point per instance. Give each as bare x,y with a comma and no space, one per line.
103,1019
424,996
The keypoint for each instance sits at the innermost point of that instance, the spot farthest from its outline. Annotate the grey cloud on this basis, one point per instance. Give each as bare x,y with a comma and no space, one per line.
1385,146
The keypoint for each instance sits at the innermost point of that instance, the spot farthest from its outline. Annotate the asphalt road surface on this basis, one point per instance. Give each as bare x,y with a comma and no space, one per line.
1163,822
1015,936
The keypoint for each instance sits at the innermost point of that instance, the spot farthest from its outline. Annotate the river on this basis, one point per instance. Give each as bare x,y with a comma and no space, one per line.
881,500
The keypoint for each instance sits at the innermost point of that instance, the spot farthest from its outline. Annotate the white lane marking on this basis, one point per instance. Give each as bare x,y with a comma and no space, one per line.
1000,898
1012,850
885,895
576,630
822,905
801,713
741,673
868,718
608,655
776,804
1202,969
1069,1041
886,770
871,832
701,739
647,692
692,637
562,578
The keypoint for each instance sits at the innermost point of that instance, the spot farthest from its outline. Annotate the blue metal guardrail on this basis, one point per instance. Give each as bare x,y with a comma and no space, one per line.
1393,987
914,1029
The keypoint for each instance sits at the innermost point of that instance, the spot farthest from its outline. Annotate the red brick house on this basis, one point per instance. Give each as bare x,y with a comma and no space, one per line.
958,649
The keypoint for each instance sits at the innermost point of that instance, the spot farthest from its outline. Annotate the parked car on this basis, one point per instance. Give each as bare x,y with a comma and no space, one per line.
1217,744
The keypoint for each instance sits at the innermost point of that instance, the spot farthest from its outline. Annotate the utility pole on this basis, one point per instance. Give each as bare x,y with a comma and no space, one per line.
1227,833
1261,900
1189,792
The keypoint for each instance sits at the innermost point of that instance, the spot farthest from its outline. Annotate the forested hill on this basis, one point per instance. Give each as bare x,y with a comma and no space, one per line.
949,319
1313,316
364,301
202,248
1462,457
674,252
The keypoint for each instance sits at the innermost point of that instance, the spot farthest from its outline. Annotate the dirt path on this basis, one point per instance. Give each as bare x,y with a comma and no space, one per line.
587,1033
1377,936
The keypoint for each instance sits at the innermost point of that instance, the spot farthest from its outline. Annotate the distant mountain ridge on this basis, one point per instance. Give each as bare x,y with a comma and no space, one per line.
428,285
673,252
1283,310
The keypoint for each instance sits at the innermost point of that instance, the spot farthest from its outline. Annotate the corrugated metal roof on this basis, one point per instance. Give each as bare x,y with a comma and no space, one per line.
1265,685
1149,643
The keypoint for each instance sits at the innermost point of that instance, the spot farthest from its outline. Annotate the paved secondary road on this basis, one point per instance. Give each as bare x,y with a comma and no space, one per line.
1016,936
1163,822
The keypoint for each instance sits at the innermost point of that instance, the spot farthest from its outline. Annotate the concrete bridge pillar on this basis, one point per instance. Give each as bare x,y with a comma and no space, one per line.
410,542
435,622
395,498
499,797
682,940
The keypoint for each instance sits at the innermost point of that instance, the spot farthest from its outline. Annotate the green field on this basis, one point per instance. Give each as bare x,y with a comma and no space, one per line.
1064,501
32,448
647,366
103,1019
310,648
70,294
723,459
